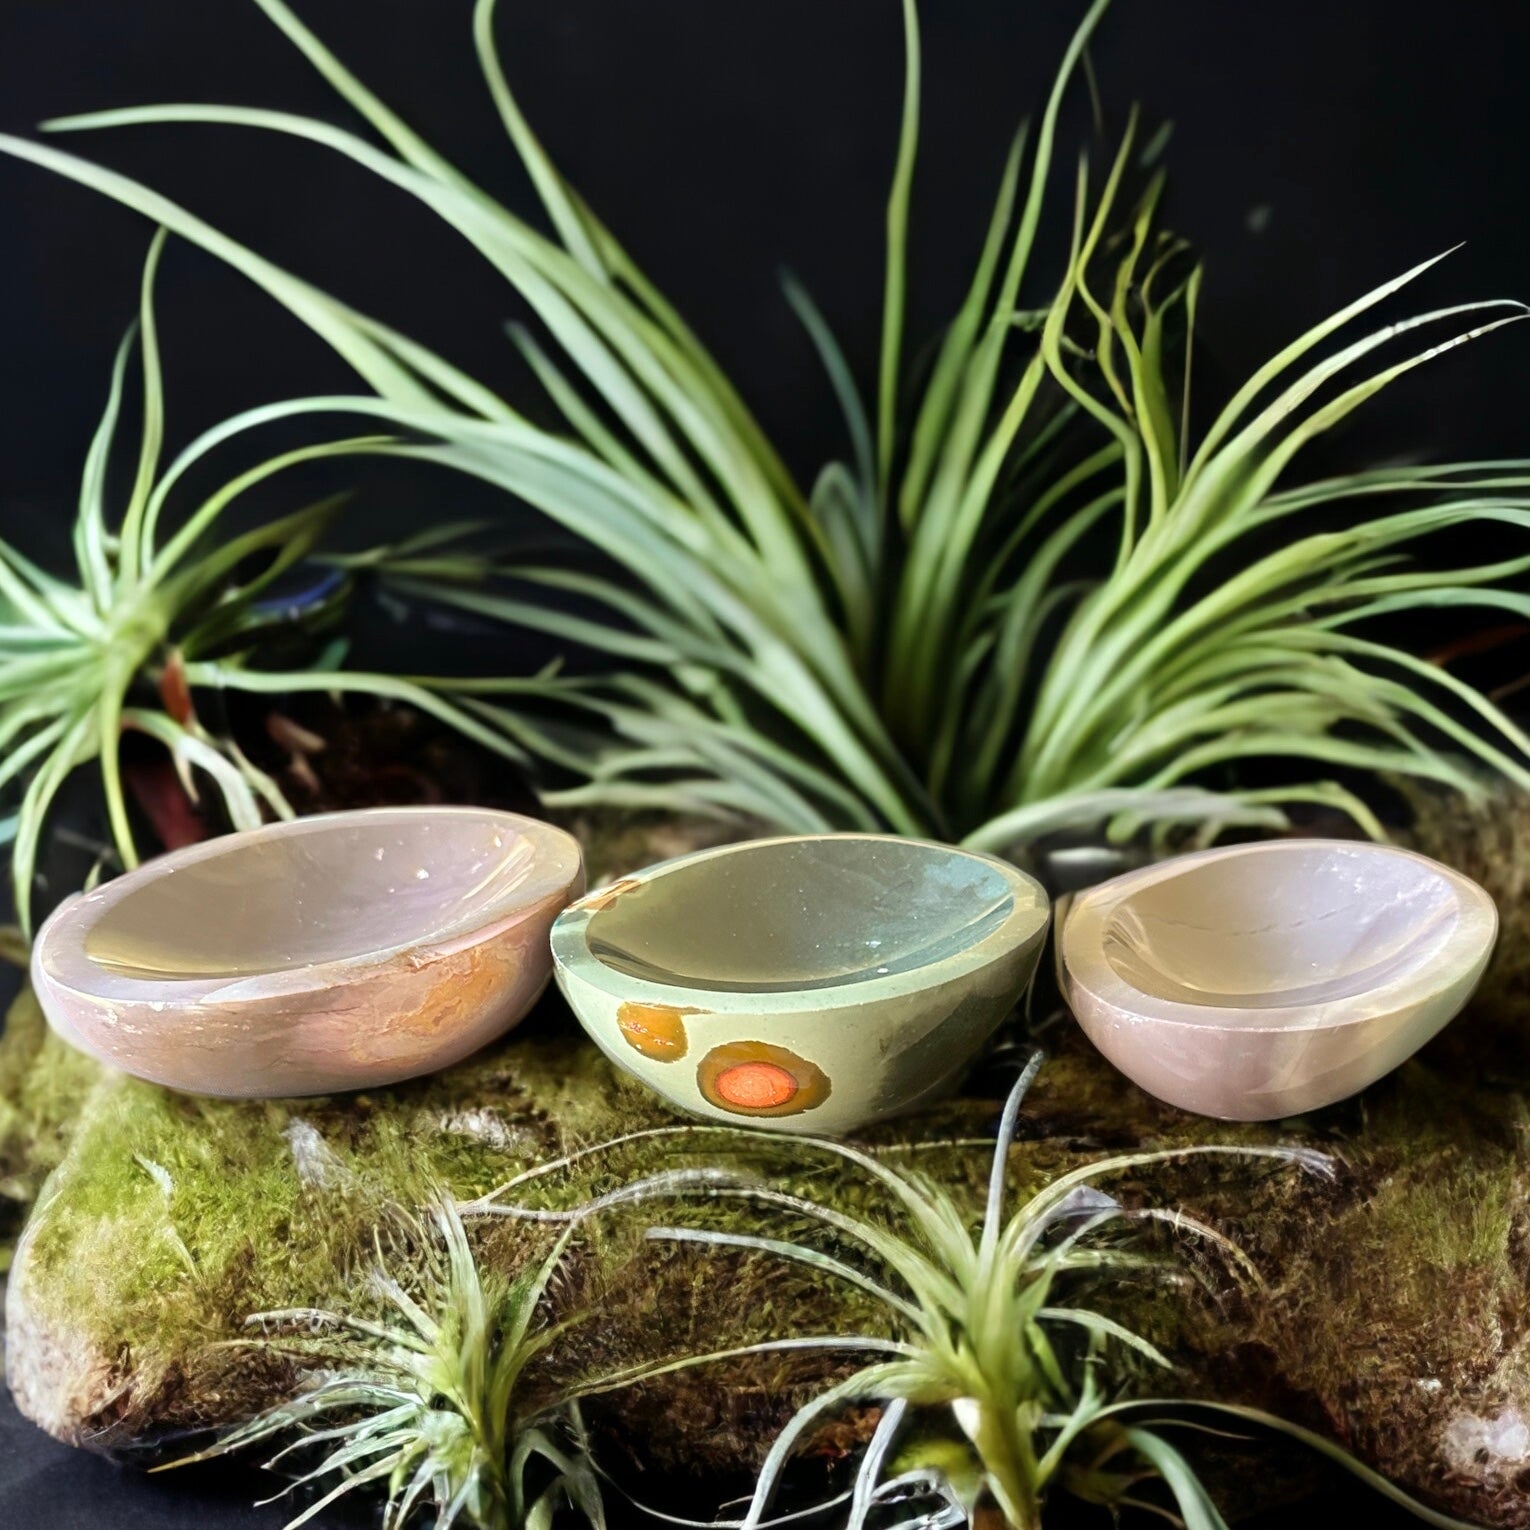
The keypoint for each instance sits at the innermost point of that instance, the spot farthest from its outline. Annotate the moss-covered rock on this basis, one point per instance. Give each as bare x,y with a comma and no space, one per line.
1396,1316
43,1088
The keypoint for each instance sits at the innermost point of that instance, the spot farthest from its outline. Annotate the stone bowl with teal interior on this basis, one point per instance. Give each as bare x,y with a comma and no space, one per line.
813,984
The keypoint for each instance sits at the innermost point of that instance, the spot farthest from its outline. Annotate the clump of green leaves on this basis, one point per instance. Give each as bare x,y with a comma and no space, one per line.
998,1377
153,617
432,1401
994,1331
428,1401
929,639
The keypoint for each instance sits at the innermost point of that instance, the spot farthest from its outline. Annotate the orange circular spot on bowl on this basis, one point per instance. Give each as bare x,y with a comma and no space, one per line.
756,1085
756,1078
655,1030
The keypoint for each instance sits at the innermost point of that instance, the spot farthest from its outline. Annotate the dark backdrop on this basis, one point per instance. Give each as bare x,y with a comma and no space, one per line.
1318,148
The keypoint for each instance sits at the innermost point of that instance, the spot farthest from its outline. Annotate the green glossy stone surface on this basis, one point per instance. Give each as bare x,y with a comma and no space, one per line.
816,982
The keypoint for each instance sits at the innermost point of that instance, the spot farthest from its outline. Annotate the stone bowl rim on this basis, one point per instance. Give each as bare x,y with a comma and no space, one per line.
1027,919
1085,916
65,967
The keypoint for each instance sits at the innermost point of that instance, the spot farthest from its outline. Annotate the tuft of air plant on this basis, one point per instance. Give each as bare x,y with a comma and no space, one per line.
1029,599
426,1403
151,619
992,1334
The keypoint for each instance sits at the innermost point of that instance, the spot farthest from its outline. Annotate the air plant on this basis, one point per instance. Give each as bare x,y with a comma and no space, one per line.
152,618
432,1401
429,1399
989,1337
928,639
992,1329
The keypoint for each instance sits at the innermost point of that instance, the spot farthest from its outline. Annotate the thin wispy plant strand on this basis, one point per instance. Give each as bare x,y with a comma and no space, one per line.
995,1328
427,1403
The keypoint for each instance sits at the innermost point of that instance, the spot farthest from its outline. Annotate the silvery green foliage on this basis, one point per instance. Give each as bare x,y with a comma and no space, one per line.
998,1379
425,1404
994,1334
928,639
149,617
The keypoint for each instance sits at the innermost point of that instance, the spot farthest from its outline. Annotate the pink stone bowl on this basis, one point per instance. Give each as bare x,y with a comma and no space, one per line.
1265,980
343,951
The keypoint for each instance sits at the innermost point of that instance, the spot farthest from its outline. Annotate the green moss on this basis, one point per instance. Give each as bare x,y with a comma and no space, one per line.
43,1088
1394,1298
172,1219
1453,1221
1488,839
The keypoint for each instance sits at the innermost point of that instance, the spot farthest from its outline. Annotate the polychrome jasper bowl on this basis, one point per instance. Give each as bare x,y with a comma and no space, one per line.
808,984
329,953
1264,980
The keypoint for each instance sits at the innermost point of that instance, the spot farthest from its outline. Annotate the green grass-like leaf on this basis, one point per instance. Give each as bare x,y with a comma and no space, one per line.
427,1402
989,1325
982,1318
82,662
1030,599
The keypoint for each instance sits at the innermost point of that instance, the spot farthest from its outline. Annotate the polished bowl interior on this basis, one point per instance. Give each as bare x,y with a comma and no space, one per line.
804,914
333,952
816,982
339,888
1313,928
1263,980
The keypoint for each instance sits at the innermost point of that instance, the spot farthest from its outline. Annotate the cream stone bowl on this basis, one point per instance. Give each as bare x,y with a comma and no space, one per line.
812,984
336,952
1264,980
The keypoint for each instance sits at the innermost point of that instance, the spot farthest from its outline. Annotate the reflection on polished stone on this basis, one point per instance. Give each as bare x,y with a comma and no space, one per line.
1264,980
813,983
334,952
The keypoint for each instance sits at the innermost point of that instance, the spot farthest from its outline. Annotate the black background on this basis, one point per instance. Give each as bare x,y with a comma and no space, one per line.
1318,149
722,141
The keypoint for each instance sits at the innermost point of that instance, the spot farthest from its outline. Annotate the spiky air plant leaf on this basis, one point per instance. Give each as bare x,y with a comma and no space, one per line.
937,637
427,1402
992,1328
996,1332
151,619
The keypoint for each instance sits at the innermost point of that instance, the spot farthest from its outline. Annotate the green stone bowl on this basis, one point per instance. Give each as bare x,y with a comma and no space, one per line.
812,984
